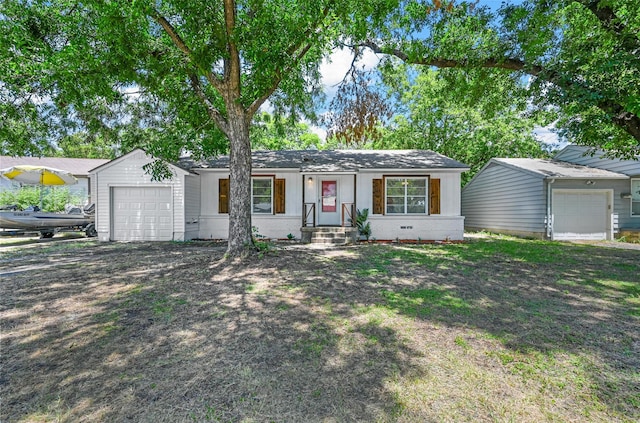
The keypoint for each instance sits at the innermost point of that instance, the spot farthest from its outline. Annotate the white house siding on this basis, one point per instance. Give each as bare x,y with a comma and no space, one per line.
449,224
127,171
213,225
192,206
507,200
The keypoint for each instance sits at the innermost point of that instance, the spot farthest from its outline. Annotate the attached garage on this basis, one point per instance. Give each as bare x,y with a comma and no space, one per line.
132,206
141,214
581,214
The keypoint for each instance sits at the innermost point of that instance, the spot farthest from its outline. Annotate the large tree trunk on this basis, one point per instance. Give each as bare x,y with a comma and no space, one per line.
240,237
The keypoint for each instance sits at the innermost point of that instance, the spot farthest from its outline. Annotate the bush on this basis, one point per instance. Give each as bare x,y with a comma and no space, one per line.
53,199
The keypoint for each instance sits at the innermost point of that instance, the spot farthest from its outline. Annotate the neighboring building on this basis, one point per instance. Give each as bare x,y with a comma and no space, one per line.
573,196
77,167
409,194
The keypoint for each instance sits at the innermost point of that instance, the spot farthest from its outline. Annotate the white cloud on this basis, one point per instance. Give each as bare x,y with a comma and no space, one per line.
336,66
547,135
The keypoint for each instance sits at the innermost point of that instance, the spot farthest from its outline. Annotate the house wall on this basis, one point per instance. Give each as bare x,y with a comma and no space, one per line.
127,171
488,202
449,224
213,225
192,206
575,154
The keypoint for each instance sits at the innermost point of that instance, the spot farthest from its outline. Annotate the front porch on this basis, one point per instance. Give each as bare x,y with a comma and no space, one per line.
344,233
335,235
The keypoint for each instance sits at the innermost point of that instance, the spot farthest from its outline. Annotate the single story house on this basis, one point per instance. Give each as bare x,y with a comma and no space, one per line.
77,167
571,197
410,194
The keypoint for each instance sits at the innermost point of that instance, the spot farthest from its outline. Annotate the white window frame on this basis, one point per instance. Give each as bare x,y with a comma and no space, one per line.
253,195
635,197
405,195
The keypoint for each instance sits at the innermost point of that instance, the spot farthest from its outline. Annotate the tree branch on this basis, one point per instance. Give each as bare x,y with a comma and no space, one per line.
232,68
213,112
624,119
612,23
182,46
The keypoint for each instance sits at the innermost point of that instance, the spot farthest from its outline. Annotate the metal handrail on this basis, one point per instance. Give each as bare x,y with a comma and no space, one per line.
348,211
309,209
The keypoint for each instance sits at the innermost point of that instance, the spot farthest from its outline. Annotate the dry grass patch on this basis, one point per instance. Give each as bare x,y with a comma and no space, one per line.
497,329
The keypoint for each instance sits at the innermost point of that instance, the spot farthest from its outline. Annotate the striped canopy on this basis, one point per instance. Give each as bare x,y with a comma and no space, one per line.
38,175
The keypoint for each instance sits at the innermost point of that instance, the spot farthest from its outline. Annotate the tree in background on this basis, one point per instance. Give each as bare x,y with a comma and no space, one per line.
271,132
197,71
583,57
456,113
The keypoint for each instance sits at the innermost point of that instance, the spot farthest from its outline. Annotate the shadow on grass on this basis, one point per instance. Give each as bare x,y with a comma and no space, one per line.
169,332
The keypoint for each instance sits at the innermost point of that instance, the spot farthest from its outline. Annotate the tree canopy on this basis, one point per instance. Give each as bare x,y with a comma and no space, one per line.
456,113
582,57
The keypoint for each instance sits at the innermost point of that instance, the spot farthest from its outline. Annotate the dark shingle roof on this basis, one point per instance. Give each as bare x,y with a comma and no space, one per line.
336,160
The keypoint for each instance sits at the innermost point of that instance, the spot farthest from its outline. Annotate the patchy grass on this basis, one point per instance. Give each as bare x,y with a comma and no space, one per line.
498,329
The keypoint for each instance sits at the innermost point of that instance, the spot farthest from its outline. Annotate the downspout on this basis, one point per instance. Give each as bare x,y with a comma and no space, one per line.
549,216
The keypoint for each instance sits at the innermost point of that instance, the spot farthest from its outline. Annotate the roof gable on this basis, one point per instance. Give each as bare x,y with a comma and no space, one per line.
131,155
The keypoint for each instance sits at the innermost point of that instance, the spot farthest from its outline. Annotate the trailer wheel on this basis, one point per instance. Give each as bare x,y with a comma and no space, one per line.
46,234
90,230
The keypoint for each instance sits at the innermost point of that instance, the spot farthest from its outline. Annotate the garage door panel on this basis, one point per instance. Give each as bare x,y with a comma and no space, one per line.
580,215
142,214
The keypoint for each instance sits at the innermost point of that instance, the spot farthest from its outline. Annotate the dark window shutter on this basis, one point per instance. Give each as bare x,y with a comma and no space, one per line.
223,196
434,196
279,198
378,196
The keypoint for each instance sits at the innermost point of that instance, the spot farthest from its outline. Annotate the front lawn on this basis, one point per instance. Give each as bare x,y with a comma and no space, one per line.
496,329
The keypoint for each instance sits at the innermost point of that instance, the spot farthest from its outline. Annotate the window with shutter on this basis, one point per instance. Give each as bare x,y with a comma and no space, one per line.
378,196
223,196
434,196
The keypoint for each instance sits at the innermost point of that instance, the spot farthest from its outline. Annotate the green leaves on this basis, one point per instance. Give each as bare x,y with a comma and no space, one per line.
470,115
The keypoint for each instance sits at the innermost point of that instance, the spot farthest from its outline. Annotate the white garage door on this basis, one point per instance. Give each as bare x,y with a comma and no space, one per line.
142,214
580,215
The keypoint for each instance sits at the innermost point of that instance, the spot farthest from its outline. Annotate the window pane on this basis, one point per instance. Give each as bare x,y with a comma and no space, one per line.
395,209
261,195
416,183
416,205
406,195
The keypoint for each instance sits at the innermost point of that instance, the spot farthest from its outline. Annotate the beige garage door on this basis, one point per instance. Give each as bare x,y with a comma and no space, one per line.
141,214
580,215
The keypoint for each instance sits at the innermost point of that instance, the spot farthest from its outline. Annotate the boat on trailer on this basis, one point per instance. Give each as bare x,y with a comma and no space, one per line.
48,223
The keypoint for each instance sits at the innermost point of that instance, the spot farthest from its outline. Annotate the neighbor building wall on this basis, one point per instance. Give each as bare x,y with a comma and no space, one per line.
621,206
576,154
506,200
